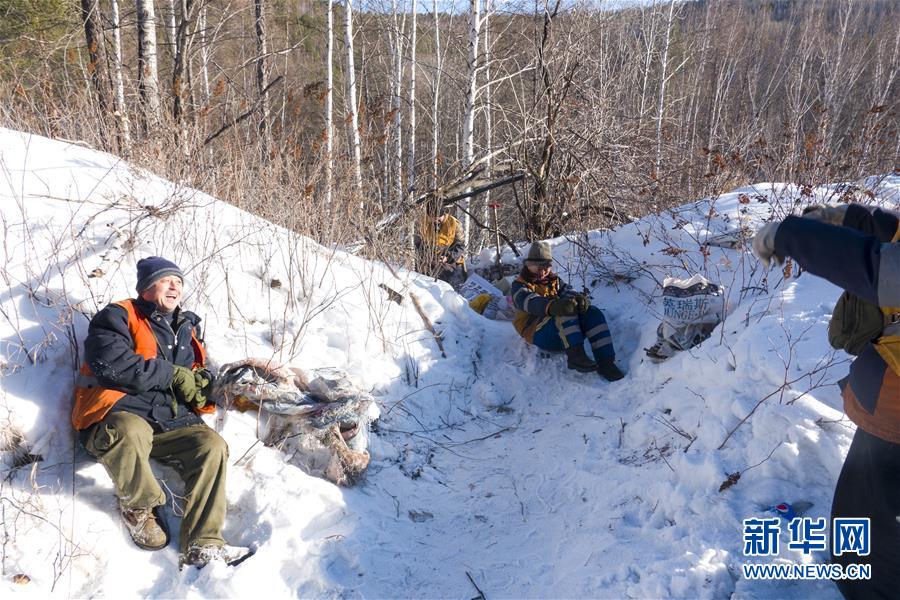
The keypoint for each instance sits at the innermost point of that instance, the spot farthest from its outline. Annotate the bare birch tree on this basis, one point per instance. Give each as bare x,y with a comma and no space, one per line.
471,97
664,66
396,154
204,52
350,98
435,94
121,112
329,105
148,76
262,75
180,83
488,122
411,142
170,29
648,37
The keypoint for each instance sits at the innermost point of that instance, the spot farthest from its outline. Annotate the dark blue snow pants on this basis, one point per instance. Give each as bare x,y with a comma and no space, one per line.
560,333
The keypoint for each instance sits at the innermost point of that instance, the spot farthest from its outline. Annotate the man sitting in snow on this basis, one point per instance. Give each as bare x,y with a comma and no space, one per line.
137,397
856,248
553,317
440,246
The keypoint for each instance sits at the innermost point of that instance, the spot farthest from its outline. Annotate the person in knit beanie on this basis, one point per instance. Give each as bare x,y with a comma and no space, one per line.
140,393
551,315
152,269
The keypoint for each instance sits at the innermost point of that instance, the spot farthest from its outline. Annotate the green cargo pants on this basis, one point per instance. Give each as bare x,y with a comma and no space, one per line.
124,443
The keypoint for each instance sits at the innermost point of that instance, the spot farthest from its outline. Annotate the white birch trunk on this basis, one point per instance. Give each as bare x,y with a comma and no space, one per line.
662,85
471,92
148,76
351,100
435,95
488,123
262,75
169,27
396,96
118,83
329,105
400,32
204,53
411,155
648,58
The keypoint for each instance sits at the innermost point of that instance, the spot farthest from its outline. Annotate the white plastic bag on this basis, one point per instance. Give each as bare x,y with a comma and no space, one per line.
691,309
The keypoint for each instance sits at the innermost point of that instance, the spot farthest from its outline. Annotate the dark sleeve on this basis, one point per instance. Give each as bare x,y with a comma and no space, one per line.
880,223
850,259
526,300
109,352
458,247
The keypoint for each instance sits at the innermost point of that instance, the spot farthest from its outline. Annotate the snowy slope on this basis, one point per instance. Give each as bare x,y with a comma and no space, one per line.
494,465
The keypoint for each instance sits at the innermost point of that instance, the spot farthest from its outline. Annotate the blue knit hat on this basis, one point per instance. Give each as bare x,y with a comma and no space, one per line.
152,269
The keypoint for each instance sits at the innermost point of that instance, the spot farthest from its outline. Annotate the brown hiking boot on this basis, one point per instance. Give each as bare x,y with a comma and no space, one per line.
609,371
578,360
146,529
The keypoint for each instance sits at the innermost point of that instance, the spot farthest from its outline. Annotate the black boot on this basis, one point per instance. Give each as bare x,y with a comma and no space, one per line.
578,360
609,371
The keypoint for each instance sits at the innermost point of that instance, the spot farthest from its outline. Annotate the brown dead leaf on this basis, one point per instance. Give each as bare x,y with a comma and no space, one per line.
732,479
788,268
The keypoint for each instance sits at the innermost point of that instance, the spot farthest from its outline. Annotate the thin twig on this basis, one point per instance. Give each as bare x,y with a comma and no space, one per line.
428,325
765,459
480,595
252,446
779,389
478,439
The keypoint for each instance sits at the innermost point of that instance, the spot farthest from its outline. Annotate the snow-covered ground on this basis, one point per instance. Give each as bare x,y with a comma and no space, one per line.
494,466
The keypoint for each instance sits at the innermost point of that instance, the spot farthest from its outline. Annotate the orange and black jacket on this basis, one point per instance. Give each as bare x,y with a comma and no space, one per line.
862,257
127,370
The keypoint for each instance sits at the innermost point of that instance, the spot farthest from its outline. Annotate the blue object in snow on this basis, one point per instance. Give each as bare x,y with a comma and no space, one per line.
783,510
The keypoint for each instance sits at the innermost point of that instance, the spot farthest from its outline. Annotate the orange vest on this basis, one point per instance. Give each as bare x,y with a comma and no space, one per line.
93,401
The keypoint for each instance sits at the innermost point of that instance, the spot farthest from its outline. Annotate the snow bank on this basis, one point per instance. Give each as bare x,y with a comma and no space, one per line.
494,463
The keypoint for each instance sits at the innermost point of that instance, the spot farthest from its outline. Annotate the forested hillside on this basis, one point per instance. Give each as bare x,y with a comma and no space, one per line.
325,117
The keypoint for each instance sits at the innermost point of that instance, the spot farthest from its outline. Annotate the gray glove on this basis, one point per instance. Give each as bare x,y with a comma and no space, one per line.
833,214
764,244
